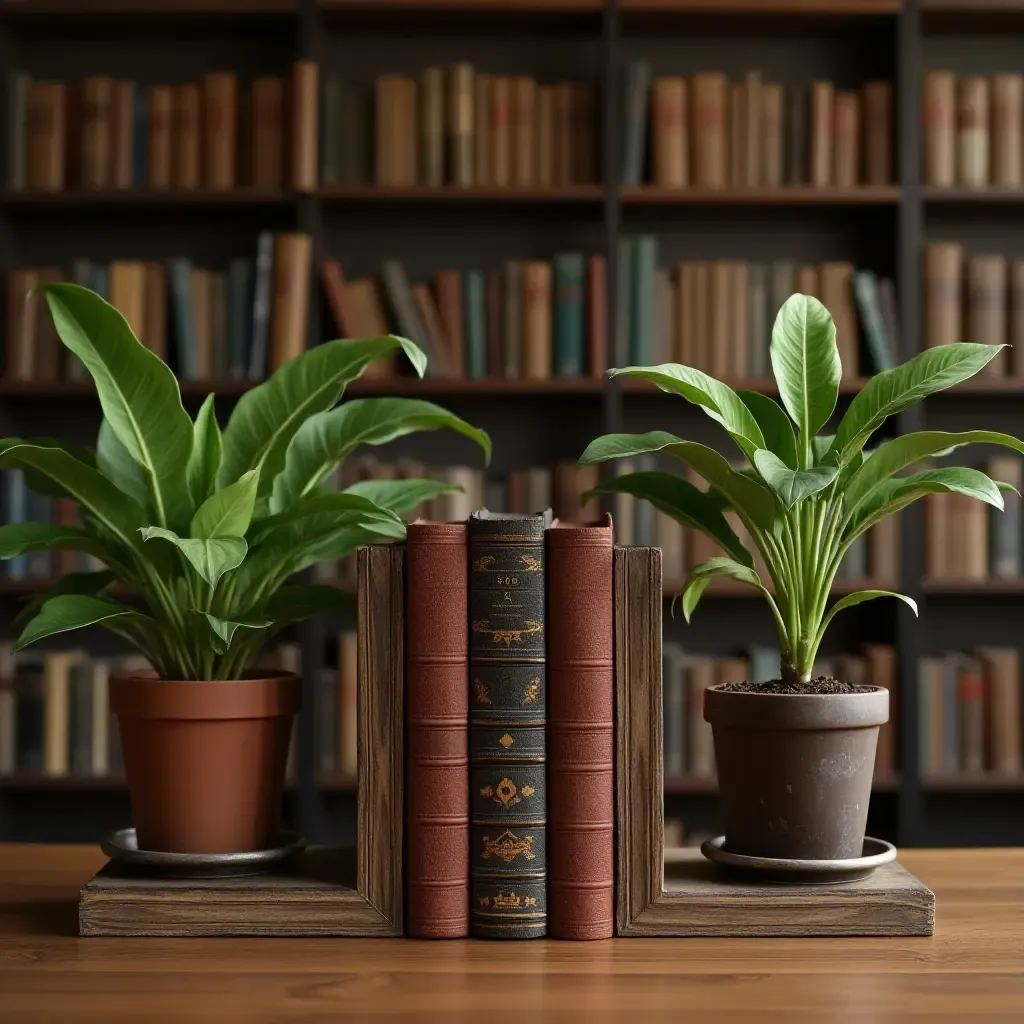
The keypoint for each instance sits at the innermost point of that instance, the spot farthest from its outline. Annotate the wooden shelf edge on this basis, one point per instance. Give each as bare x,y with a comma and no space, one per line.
451,194
468,6
123,7
993,194
795,195
233,197
843,7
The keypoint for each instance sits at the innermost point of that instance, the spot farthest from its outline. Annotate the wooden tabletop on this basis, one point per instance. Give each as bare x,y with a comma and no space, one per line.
971,971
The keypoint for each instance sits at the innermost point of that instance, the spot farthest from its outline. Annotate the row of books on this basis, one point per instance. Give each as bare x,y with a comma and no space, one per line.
107,133
976,297
966,539
718,315
459,126
708,132
969,713
54,712
688,743
529,319
972,130
211,325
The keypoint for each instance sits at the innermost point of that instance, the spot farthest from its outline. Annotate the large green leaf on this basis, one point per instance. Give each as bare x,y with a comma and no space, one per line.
295,603
743,492
118,513
326,502
682,501
91,583
116,464
792,485
17,538
718,400
805,361
329,437
701,575
72,611
224,629
204,458
775,426
858,597
893,494
402,497
137,391
227,513
267,417
891,391
900,452
210,558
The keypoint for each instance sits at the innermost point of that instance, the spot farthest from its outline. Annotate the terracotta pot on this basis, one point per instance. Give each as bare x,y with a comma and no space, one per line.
205,762
794,770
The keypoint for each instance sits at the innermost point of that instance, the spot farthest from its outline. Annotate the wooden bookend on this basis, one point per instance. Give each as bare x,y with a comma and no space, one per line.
325,891
689,896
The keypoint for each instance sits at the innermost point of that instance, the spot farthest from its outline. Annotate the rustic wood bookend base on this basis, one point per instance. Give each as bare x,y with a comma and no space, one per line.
324,892
692,897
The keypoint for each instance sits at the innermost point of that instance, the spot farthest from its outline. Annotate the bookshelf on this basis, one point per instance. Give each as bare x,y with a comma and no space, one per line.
533,422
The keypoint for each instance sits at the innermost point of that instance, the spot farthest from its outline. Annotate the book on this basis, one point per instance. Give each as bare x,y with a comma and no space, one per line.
736,138
493,315
877,118
436,730
100,718
47,133
501,131
1007,114
972,134
460,123
507,652
179,274
122,129
431,121
512,318
758,323
1001,671
29,730
262,292
709,91
943,268
597,316
94,159
140,137
670,134
186,140
940,136
865,287
482,129
305,95
986,307
772,147
1005,525
846,145
1016,327
220,126
268,124
644,265
289,307
536,320
797,137
17,131
637,97
699,741
524,131
355,137
569,272
431,318
448,289
822,134
753,90
580,775
971,714
81,731
56,711
160,160
475,324
403,306
330,130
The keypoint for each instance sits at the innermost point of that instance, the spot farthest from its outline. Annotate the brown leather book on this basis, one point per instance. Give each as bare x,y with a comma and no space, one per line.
737,132
431,127
437,730
882,670
877,119
289,309
1016,330
524,131
943,276
771,134
563,144
822,138
972,131
154,324
201,291
482,129
220,129
47,123
23,312
710,91
940,129
986,307
365,316
493,322
970,699
837,297
537,351
186,137
580,776
97,96
127,292
267,150
161,130
424,300
971,529
721,320
305,124
546,136
597,316
807,281
846,147
753,99
1001,666
1007,111
333,280
501,131
460,126
670,138
448,285
122,131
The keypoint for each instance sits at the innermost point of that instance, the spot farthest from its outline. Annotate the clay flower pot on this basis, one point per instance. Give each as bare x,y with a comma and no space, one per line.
205,761
794,770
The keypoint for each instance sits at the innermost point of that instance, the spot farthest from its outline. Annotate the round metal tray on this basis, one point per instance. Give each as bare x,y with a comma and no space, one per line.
801,872
122,846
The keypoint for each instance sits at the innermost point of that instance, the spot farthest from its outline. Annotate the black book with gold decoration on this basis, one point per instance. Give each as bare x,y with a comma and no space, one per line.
507,651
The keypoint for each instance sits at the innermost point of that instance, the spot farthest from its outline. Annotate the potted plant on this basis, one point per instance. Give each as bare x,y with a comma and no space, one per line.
203,531
795,756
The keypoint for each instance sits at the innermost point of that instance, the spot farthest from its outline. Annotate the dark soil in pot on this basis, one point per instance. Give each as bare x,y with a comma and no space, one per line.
205,761
795,766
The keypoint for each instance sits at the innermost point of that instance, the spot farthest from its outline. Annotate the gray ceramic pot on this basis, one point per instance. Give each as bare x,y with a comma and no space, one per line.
794,770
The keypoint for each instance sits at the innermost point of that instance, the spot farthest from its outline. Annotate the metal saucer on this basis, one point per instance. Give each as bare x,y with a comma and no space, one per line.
801,872
122,846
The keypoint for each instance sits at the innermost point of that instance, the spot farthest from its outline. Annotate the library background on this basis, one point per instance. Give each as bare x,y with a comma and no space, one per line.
534,190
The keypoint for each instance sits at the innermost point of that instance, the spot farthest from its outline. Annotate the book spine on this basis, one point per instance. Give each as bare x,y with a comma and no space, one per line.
669,136
262,292
99,741
524,131
122,127
220,125
330,130
460,125
436,731
546,136
493,316
17,129
1016,331
239,311
771,129
186,148
736,123
882,671
448,287
396,284
877,103
482,129
1007,112
501,131
758,324
739,283
597,316
581,793
267,161
940,129
81,718
943,269
431,124
47,135
822,133
972,131
721,315
638,87
986,307
56,714
289,309
709,129
673,697
305,118
970,695
97,94
569,272
1005,526
846,150
642,335
699,741
355,137
536,320
474,305
507,655
140,138
865,287
154,331
512,320
161,129
180,280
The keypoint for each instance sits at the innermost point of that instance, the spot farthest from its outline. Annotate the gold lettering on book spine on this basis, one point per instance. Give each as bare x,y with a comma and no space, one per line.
507,847
508,637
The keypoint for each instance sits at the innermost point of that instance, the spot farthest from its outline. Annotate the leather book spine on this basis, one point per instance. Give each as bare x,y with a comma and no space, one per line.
581,790
436,731
508,696
939,115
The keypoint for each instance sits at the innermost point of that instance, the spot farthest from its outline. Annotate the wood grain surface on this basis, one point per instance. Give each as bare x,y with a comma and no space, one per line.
971,971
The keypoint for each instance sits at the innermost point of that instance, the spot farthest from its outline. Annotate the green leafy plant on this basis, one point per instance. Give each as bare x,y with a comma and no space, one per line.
803,497
206,529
